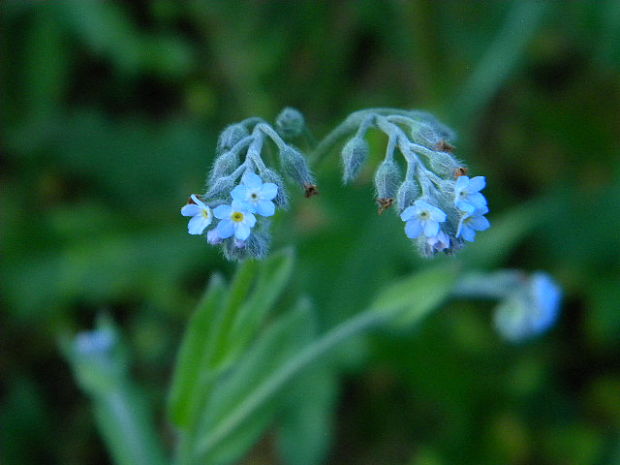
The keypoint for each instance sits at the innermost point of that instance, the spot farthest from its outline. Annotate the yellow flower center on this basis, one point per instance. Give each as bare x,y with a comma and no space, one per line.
205,213
237,217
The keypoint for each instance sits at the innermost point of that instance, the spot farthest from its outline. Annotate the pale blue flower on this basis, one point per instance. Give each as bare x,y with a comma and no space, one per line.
422,218
467,196
213,238
530,310
200,213
472,222
257,195
236,219
439,242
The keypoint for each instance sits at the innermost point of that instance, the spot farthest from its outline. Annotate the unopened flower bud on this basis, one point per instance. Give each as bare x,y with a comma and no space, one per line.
295,166
230,136
290,123
223,165
445,164
281,198
220,188
407,193
387,179
354,154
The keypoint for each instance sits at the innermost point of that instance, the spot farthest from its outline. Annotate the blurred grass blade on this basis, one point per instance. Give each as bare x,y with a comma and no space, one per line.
499,60
100,365
192,352
407,301
281,340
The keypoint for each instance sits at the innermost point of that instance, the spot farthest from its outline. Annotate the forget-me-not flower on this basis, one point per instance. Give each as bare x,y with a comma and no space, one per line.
200,213
531,310
422,218
467,196
439,242
236,219
257,195
472,222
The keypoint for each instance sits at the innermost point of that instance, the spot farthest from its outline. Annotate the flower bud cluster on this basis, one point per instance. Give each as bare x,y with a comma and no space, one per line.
441,206
242,191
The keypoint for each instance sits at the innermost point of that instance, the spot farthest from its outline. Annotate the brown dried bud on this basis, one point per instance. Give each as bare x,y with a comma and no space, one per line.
445,146
384,204
311,190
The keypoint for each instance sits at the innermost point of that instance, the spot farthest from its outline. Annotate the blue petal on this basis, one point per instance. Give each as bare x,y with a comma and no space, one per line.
431,228
222,211
190,210
225,229
461,183
251,179
197,224
468,233
249,219
265,208
413,229
479,223
242,231
408,213
476,184
268,191
240,193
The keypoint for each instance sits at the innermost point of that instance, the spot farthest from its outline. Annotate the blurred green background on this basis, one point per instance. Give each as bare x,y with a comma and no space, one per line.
110,112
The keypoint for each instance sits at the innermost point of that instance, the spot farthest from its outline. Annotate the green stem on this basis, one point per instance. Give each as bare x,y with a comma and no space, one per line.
271,386
346,128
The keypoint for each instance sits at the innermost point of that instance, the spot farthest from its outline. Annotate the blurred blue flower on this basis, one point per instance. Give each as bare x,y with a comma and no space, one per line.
530,310
255,194
236,220
200,213
467,196
422,218
472,222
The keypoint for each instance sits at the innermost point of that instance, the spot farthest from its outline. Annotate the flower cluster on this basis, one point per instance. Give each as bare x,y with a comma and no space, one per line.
243,191
441,206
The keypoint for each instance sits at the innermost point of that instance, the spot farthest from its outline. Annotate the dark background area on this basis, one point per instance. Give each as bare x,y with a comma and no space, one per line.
110,113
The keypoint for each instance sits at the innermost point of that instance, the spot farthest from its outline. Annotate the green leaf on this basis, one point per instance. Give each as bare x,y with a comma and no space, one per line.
305,432
274,348
274,275
409,300
192,352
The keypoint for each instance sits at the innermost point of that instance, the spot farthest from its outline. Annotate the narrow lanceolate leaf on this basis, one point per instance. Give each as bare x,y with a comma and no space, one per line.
408,300
193,351
273,276
215,442
221,328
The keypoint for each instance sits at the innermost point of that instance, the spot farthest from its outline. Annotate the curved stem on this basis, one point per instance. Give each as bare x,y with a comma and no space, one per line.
347,127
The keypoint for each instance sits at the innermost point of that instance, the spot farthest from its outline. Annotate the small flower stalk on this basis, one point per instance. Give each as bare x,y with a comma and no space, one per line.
242,191
441,206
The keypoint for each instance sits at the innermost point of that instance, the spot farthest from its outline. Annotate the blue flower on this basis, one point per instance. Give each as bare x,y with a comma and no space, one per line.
472,222
422,218
439,242
467,196
257,195
530,310
236,219
200,213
